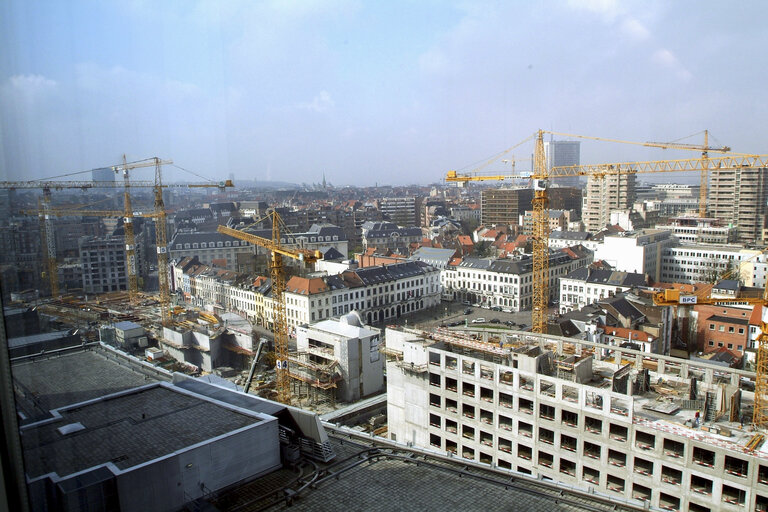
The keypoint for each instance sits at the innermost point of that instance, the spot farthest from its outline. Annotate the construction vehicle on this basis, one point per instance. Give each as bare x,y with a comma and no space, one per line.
540,178
277,273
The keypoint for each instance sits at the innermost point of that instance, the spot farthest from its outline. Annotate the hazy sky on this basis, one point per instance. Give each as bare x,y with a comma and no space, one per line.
391,92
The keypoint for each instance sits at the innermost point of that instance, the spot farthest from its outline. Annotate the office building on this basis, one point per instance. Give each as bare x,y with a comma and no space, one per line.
103,263
104,174
506,283
692,230
560,153
636,251
504,206
690,263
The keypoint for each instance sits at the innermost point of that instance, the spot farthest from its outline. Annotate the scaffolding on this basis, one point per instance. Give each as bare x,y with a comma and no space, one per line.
318,381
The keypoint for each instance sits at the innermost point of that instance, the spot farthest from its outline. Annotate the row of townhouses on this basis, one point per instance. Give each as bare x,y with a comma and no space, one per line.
508,283
377,293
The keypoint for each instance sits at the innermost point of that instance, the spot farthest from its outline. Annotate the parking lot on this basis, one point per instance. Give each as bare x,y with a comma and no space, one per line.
452,314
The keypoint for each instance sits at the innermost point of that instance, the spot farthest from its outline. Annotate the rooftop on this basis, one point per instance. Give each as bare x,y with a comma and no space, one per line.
150,422
421,481
47,383
659,403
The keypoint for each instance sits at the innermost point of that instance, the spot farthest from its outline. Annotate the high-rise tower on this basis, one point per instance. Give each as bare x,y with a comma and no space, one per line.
560,153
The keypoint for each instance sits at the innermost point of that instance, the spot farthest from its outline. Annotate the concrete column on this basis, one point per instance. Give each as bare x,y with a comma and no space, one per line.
660,367
709,375
559,347
639,362
684,370
485,336
598,354
735,378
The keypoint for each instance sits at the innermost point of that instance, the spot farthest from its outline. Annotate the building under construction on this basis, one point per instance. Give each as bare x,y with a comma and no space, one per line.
337,359
647,428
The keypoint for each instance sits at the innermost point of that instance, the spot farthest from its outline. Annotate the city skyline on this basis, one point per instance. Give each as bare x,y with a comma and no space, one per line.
367,93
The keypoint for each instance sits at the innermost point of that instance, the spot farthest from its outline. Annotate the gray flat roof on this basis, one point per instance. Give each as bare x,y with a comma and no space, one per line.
37,338
58,380
127,429
402,482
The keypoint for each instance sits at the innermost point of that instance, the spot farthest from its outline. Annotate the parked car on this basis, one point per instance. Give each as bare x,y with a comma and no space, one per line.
495,321
496,308
467,311
480,320
467,303
510,323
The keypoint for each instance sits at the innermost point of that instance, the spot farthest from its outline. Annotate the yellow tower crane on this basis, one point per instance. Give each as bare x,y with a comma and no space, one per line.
678,298
159,215
277,273
541,176
130,242
704,148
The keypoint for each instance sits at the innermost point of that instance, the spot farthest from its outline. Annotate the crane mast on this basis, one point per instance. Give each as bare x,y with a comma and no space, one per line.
541,176
540,239
277,274
49,246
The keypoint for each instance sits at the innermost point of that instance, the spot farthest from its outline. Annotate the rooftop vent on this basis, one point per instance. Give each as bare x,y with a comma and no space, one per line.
71,428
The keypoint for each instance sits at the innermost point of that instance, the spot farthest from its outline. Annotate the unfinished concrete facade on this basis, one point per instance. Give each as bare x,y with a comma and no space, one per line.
628,424
340,356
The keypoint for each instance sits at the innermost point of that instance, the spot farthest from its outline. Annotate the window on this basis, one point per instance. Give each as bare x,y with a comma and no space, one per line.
711,327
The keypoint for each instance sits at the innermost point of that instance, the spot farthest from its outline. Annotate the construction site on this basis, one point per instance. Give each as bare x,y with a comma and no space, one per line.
649,428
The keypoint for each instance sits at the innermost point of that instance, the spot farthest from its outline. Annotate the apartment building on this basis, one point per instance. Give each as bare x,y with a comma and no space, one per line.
320,236
376,293
504,206
465,213
530,404
562,239
558,221
508,283
692,230
636,251
691,263
588,285
720,327
209,247
738,196
604,195
403,211
388,235
103,263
